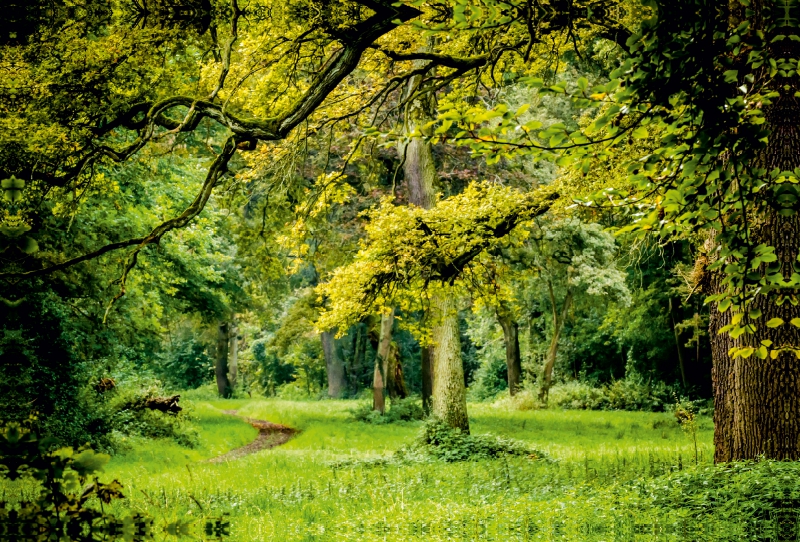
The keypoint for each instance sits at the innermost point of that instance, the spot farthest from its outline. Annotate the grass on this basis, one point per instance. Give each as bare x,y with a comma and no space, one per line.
292,492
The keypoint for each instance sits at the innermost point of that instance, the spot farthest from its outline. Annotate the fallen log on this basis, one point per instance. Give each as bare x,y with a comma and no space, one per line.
164,404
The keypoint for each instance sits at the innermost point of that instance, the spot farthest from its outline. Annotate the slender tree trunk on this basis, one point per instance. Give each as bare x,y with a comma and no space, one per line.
221,362
449,393
359,347
333,364
678,346
427,378
552,352
513,360
382,362
233,354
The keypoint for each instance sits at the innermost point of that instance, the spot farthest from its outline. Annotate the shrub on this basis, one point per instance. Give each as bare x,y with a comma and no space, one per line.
65,503
400,410
437,441
123,414
740,495
631,393
576,395
440,441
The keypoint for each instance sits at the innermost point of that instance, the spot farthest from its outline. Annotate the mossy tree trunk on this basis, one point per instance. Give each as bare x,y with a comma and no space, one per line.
381,370
449,392
333,364
419,171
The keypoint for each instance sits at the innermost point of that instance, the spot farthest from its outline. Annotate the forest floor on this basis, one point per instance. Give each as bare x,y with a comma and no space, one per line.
315,486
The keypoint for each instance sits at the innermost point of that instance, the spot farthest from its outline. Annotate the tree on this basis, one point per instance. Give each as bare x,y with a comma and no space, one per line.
421,259
119,97
571,257
710,86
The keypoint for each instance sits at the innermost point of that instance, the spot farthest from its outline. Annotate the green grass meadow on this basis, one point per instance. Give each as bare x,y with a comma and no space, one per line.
591,490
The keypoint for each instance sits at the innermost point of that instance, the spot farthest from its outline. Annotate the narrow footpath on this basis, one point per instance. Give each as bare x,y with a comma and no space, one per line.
269,436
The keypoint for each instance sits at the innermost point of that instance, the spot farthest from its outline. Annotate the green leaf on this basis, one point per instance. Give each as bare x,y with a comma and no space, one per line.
775,322
639,133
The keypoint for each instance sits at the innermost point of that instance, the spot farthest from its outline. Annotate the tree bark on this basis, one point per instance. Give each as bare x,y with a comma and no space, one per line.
552,352
513,359
419,172
233,354
757,402
359,347
333,365
382,362
449,393
396,383
221,362
427,378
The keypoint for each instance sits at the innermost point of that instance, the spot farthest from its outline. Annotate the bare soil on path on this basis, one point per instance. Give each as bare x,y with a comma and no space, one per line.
269,436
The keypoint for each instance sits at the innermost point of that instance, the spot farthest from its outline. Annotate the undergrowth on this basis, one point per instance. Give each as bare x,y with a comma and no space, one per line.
437,441
400,410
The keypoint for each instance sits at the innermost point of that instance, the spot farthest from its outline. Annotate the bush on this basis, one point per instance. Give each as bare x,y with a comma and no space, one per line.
576,395
437,441
400,410
443,442
631,393
122,414
741,495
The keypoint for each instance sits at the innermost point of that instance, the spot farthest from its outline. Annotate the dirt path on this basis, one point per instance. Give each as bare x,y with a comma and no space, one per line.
269,436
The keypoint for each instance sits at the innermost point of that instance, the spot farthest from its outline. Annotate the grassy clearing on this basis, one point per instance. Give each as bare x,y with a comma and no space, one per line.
292,493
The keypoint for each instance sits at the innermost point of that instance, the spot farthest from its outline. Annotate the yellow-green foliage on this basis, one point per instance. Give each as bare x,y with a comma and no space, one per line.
409,250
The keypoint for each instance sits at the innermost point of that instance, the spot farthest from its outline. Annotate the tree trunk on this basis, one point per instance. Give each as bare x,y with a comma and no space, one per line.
552,352
427,379
333,364
396,383
382,362
513,360
359,346
221,362
678,346
449,393
757,402
419,171
233,354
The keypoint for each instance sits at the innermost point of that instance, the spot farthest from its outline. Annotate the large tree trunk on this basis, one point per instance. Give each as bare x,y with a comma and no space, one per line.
449,393
513,359
552,352
233,354
757,402
382,362
333,364
221,362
